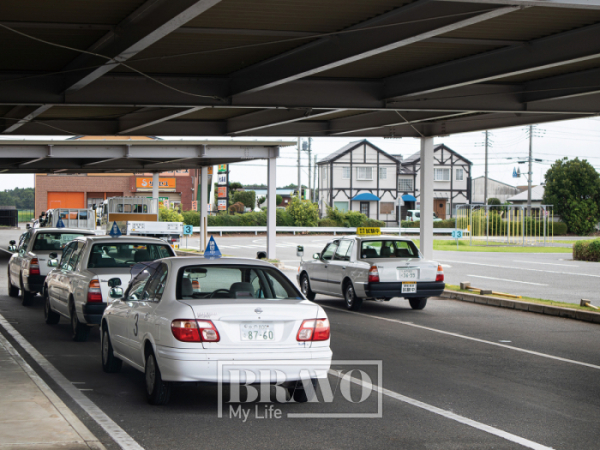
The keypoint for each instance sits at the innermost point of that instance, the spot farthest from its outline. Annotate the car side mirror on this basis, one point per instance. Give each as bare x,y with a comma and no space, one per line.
316,256
28,226
53,263
261,255
12,248
116,292
114,282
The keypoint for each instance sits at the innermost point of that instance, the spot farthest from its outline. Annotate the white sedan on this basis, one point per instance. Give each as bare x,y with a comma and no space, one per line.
191,319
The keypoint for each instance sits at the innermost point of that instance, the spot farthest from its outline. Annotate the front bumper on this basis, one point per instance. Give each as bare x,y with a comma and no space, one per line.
283,366
92,312
424,289
34,283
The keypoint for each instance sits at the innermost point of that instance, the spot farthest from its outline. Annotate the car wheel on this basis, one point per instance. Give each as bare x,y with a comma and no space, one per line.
12,290
417,303
305,287
352,301
157,390
26,296
298,393
110,363
52,318
79,331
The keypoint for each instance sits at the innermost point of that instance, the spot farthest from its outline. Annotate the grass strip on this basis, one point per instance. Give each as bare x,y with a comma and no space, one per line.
463,246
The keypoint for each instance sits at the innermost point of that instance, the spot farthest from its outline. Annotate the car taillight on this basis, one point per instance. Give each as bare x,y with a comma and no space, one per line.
34,267
190,330
373,274
94,292
440,274
314,330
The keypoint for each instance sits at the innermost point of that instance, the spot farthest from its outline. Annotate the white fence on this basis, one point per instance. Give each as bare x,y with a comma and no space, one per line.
328,230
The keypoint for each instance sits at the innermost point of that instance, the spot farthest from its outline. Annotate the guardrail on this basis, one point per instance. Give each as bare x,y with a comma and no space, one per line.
333,230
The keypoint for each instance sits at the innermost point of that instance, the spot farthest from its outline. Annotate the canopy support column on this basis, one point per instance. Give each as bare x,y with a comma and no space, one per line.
155,186
426,197
271,207
203,206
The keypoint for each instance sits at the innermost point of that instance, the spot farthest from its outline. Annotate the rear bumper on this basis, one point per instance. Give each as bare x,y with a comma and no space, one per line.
92,312
34,283
183,366
424,289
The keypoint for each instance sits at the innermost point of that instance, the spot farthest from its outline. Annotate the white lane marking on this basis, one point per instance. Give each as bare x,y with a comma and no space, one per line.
446,266
78,426
469,338
119,435
447,414
521,268
504,279
546,264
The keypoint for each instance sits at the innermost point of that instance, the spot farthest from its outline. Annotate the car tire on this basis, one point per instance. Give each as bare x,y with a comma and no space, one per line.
417,303
26,296
305,287
110,363
12,290
353,303
157,391
298,393
79,331
52,317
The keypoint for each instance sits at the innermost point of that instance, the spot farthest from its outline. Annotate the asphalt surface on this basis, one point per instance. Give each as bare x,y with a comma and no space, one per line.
478,372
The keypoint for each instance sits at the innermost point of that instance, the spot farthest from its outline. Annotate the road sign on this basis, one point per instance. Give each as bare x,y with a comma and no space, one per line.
212,251
457,234
194,206
188,230
114,230
60,223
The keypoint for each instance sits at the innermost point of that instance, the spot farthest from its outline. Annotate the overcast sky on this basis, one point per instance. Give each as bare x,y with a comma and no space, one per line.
558,139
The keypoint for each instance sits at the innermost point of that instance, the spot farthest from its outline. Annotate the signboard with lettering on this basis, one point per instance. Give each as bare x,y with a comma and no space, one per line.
222,179
222,192
222,168
194,206
222,205
368,231
164,184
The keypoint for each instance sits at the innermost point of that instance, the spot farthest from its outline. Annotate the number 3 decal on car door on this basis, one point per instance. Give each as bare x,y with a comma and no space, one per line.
135,329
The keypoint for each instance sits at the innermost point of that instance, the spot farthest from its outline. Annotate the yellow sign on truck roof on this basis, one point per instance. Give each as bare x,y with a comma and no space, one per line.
368,231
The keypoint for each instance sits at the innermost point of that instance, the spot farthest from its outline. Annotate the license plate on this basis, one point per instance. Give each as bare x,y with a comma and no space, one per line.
408,274
409,287
257,331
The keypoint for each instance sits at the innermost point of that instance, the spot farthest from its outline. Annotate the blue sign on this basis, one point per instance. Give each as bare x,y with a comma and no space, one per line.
114,231
457,234
212,251
188,230
60,223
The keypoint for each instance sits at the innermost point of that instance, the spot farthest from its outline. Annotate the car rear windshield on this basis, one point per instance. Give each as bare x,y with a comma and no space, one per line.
53,240
235,282
126,255
388,249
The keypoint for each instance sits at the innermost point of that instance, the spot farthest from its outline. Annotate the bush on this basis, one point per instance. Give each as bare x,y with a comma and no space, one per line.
354,219
191,218
248,198
327,222
278,200
253,219
587,250
284,219
261,200
169,215
237,207
304,212
372,223
558,228
339,217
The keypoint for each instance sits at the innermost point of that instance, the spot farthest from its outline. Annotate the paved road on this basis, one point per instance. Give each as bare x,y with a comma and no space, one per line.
457,376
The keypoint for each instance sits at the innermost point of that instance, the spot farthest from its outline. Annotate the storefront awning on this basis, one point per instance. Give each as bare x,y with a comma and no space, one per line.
366,197
409,198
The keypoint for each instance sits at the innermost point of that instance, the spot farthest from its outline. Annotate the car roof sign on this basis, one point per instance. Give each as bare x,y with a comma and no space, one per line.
60,223
114,230
212,250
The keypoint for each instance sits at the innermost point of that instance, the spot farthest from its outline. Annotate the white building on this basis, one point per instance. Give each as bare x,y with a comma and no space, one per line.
495,189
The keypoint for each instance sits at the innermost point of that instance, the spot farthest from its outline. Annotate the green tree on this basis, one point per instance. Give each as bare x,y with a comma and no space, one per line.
169,215
248,198
573,188
304,212
261,200
278,200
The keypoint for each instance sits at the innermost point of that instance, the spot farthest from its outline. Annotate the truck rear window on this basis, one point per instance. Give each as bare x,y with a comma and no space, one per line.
126,255
388,249
53,241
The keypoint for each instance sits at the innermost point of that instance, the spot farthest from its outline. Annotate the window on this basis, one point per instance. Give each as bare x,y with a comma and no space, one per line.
364,173
342,206
329,251
126,254
388,249
364,208
66,256
441,175
344,251
405,184
156,284
53,240
383,173
345,173
459,174
76,256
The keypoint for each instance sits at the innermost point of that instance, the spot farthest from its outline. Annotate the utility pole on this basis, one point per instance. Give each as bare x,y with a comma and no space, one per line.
308,194
299,175
485,187
530,173
314,191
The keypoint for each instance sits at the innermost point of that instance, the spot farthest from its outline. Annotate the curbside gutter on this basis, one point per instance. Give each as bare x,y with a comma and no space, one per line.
586,316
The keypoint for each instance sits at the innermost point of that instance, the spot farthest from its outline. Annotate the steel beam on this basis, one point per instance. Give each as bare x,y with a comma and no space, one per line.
570,4
554,51
29,117
143,119
271,118
355,45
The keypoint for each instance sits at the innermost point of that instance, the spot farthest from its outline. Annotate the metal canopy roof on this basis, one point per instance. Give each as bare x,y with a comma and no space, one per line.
91,156
387,68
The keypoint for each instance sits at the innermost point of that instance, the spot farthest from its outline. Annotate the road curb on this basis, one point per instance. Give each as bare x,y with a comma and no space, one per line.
585,316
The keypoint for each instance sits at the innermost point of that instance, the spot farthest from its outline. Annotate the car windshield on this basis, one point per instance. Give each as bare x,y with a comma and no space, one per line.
126,254
388,249
53,240
235,282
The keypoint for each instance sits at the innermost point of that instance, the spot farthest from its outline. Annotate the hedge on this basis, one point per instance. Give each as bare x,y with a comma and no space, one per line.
587,250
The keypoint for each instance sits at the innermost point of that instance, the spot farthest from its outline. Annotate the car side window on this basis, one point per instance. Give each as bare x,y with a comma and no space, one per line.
66,257
136,290
76,255
156,285
330,251
24,243
343,251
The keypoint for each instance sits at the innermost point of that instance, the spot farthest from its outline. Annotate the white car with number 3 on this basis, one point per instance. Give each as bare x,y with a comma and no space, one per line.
182,319
373,268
